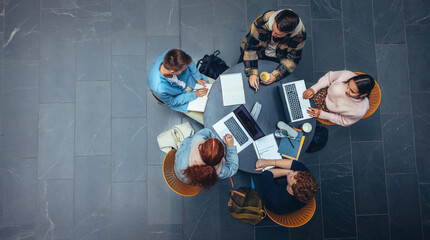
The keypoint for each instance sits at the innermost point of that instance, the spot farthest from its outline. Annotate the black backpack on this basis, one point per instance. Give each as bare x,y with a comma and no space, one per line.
211,65
319,140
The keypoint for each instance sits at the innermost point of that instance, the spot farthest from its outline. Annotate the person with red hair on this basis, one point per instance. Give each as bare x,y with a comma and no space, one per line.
202,159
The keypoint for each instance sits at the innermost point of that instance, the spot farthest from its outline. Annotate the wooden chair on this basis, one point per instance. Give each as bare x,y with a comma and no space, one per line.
158,100
374,101
294,219
172,181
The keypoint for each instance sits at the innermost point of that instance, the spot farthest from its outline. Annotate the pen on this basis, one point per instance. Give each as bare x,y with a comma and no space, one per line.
256,90
290,142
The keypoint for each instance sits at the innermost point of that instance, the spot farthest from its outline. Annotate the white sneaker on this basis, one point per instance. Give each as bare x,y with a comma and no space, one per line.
291,131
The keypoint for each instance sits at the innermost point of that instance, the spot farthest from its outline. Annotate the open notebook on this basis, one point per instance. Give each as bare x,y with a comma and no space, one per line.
199,104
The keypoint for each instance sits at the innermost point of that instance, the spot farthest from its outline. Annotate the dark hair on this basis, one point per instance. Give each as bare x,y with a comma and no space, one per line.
287,20
305,188
364,82
176,60
212,152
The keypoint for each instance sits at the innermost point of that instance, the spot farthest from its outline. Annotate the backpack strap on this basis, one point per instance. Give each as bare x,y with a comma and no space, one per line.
216,53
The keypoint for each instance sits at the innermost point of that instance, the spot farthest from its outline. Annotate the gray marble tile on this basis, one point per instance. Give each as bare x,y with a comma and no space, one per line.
64,4
2,10
18,232
417,11
304,69
418,38
165,232
393,78
255,8
232,13
421,131
54,216
338,201
128,27
425,207
22,29
398,143
129,210
93,118
128,86
196,12
404,209
227,41
388,17
94,9
160,118
293,2
164,205
19,95
92,197
309,158
56,148
328,45
197,40
129,149
18,192
326,9
162,17
369,178
359,36
368,129
201,215
338,148
373,227
93,50
156,45
275,233
57,55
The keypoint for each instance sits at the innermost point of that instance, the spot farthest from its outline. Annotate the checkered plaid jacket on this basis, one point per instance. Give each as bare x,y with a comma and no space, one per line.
288,49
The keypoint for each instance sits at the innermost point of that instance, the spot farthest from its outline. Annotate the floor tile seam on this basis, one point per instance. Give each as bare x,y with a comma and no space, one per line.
423,183
395,113
54,179
36,60
48,103
390,44
372,214
132,117
323,19
426,92
37,187
154,36
401,173
94,80
421,24
367,141
128,55
96,155
130,181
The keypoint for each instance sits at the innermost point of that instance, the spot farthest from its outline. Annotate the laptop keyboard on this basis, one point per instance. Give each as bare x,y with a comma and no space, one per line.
293,101
236,131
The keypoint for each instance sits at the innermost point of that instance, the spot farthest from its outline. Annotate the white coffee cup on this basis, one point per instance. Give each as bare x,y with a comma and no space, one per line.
307,127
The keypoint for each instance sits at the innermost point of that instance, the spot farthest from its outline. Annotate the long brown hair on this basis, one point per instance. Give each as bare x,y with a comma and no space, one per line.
212,152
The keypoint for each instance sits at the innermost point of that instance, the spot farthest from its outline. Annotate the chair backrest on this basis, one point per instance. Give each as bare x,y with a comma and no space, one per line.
374,101
158,100
294,219
172,181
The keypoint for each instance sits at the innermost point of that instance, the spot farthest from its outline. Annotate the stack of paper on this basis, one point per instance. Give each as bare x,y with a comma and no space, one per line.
199,104
267,148
232,89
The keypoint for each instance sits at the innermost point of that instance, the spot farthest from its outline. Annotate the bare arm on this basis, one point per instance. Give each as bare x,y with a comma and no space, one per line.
277,172
280,163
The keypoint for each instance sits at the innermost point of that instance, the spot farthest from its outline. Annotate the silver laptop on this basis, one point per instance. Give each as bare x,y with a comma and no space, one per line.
292,100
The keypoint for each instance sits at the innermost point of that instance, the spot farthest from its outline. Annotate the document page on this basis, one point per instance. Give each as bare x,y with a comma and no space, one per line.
267,148
199,104
232,89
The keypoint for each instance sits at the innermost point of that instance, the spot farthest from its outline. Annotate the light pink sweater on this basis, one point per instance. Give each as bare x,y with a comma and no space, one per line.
345,110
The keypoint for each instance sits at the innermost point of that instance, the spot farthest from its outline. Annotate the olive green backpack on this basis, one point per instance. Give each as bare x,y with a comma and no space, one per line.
245,205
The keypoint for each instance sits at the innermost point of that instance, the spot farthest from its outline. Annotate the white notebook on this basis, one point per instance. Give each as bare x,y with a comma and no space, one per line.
232,89
199,104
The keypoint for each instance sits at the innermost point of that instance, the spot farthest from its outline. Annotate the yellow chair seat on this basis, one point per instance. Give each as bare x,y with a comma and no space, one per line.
374,101
172,181
294,219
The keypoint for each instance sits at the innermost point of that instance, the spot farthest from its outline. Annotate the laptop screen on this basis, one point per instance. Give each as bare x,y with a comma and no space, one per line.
248,122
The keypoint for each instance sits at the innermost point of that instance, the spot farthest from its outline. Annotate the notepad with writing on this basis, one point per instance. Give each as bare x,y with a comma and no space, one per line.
291,148
199,104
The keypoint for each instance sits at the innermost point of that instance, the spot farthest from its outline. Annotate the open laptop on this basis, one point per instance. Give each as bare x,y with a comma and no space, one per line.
241,126
292,100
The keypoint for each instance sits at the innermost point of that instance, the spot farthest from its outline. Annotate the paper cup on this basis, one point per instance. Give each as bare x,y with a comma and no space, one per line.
307,127
264,76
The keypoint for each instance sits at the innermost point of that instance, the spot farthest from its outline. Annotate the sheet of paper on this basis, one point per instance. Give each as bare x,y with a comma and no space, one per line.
199,104
267,148
232,89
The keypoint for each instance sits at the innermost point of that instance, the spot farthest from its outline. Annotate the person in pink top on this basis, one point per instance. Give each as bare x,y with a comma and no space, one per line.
340,97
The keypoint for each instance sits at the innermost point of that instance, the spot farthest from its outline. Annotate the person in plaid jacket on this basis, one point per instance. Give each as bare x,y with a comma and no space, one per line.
277,36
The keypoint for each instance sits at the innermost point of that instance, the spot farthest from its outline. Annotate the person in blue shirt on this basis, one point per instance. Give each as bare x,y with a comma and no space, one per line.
172,78
285,195
202,159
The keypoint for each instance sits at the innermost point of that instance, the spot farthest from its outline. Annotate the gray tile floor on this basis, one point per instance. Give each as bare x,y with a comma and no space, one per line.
78,155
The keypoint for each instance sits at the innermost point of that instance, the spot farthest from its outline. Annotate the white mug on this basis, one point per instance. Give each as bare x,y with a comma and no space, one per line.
307,127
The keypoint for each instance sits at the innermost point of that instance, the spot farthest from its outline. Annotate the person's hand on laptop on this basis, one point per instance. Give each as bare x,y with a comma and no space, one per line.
228,140
201,92
272,78
253,81
308,93
202,82
314,112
